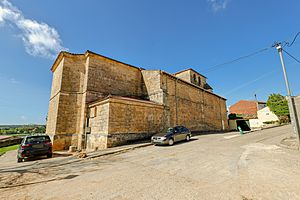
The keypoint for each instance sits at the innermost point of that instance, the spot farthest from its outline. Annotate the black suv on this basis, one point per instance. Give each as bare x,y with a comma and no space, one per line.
171,135
34,145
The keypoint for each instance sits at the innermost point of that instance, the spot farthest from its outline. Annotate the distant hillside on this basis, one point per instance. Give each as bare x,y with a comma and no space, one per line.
17,126
22,129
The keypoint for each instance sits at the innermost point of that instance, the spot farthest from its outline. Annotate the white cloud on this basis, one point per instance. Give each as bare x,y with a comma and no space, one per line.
218,5
14,81
39,38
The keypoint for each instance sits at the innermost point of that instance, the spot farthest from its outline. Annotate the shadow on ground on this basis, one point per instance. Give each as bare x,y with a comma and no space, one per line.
179,143
37,182
54,155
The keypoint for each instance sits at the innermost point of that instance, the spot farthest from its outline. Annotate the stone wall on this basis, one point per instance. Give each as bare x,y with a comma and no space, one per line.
191,76
98,123
12,140
54,99
109,77
65,102
131,119
119,120
152,82
297,108
193,107
79,80
185,75
185,103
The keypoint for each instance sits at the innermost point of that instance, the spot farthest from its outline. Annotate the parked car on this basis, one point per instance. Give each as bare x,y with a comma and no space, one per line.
34,145
171,135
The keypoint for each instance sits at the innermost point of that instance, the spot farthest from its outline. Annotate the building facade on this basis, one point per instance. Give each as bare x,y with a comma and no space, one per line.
251,115
266,115
247,108
98,102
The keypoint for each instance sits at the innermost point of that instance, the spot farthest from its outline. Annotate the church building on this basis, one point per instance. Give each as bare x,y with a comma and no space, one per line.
97,102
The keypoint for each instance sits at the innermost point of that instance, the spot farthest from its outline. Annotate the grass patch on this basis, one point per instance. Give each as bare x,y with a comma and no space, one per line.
3,150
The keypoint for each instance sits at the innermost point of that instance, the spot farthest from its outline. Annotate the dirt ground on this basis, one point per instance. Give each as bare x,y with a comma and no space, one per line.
215,166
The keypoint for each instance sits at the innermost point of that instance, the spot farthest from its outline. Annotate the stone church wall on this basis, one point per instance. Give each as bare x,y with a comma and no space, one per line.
108,77
118,120
193,107
65,103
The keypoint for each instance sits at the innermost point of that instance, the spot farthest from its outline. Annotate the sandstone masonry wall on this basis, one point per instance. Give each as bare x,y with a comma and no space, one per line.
297,107
107,77
117,120
98,122
65,105
185,75
79,80
193,107
54,99
132,120
152,82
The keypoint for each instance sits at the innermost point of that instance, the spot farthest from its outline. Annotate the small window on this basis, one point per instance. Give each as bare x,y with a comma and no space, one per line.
199,80
95,112
194,77
92,112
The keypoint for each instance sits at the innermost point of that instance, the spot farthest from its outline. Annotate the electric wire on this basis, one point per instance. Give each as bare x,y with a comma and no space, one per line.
290,44
285,43
291,56
215,67
251,82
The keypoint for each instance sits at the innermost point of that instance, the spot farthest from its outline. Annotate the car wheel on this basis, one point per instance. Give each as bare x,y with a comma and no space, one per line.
171,142
49,155
188,137
20,160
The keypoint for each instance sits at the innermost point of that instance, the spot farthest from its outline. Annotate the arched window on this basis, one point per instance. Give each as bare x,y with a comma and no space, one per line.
194,78
199,80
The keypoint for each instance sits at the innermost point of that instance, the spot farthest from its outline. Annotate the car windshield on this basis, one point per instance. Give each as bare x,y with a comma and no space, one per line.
32,140
168,130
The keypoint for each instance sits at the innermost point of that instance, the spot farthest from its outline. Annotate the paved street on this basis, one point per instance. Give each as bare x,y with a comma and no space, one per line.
215,166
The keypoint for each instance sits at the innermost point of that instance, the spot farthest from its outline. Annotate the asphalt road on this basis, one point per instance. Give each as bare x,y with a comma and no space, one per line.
215,166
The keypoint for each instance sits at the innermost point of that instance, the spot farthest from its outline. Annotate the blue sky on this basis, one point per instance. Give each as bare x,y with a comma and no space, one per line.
170,35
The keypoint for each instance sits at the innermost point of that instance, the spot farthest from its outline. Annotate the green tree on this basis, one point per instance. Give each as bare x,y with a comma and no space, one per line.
278,105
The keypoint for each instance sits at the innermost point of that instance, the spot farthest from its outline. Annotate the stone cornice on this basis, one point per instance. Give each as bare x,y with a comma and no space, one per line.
61,55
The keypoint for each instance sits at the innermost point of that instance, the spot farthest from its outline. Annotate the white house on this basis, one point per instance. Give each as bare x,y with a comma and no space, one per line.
266,115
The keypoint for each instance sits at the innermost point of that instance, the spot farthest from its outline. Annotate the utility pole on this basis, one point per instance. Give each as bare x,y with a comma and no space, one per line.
295,123
257,107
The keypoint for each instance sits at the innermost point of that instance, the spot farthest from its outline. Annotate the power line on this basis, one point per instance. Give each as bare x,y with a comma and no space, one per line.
291,56
251,81
290,44
212,68
285,43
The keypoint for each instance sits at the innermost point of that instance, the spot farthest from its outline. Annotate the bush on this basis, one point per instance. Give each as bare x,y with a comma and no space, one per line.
271,122
284,119
278,105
